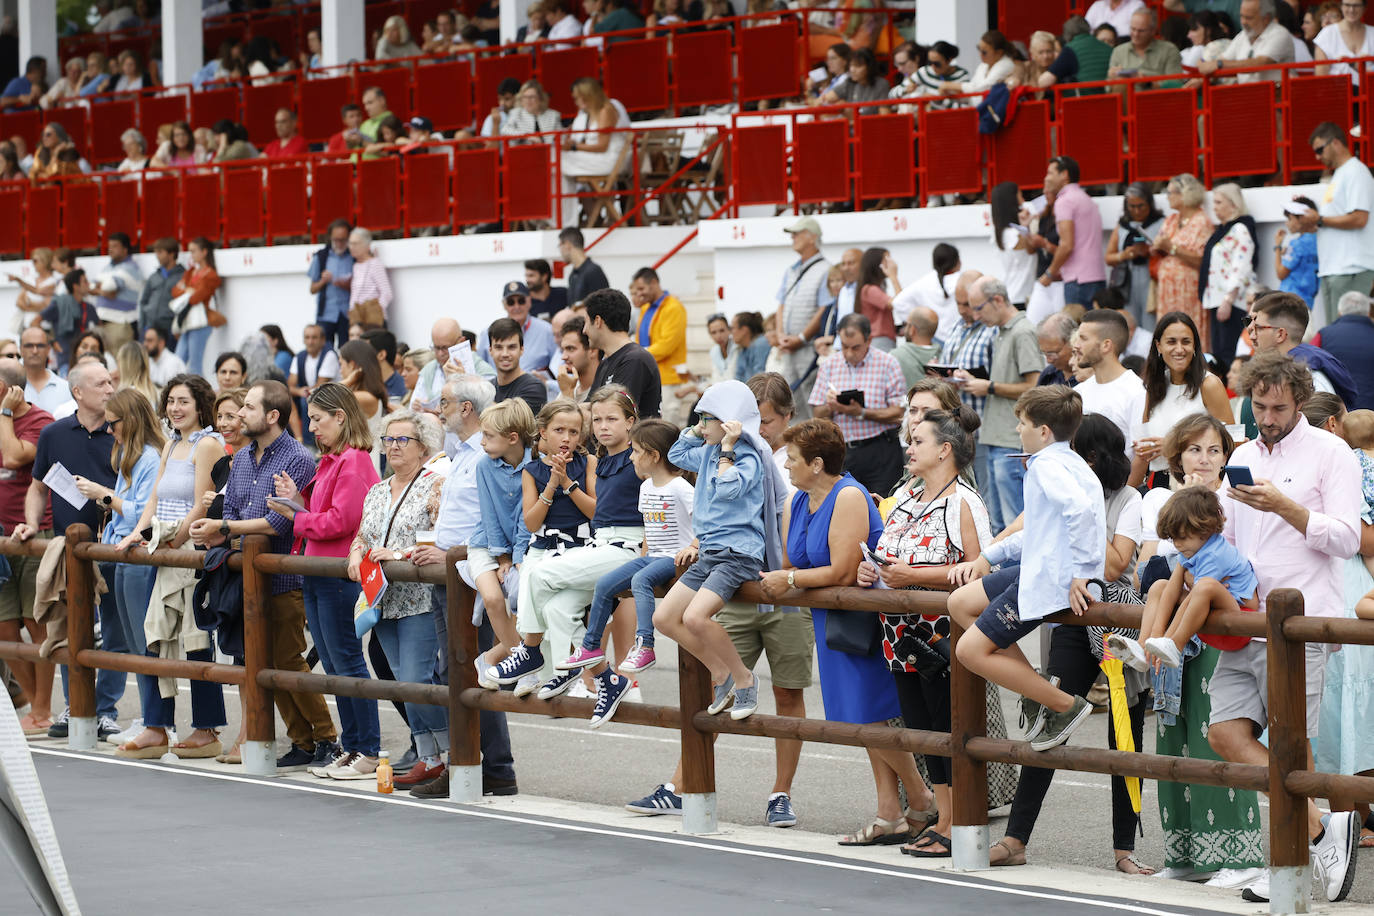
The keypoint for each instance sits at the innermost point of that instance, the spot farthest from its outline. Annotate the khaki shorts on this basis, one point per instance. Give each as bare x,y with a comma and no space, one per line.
788,640
1239,686
17,595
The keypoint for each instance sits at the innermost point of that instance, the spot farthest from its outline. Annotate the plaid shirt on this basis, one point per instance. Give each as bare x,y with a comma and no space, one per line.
250,483
878,375
970,345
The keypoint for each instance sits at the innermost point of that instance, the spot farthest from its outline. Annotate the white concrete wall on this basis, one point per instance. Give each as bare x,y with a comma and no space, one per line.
751,254
459,276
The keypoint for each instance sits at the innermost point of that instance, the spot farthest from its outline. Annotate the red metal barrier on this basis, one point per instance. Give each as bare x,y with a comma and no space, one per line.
767,62
1240,130
108,121
527,192
637,74
331,193
81,214
12,197
41,217
243,216
761,165
119,211
426,191
885,148
695,84
260,105
1312,100
200,205
821,161
155,111
1090,126
158,215
211,105
379,193
1020,150
1163,134
26,124
287,202
320,105
559,69
395,82
477,196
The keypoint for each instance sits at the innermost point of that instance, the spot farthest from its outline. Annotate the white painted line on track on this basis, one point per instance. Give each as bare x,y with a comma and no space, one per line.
465,811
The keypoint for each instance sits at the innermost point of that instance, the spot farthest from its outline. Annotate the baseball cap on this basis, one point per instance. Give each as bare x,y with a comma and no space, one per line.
1294,208
515,288
805,224
422,123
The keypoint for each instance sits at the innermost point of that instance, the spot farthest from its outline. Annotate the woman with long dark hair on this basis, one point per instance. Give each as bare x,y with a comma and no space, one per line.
282,355
359,373
1177,385
1010,236
1128,251
934,290
872,301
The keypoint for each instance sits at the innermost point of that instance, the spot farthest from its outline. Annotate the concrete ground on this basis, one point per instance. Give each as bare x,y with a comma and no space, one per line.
569,771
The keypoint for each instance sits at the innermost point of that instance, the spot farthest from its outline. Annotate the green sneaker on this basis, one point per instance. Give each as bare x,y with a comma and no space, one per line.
1059,725
1033,715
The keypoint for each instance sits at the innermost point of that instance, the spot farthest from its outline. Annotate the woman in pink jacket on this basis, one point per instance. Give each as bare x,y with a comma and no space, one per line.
334,507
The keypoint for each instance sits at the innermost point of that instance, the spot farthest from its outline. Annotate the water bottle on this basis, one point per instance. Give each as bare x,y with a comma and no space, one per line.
384,777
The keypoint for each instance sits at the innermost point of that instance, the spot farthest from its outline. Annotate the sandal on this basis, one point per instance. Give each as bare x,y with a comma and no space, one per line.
1141,869
922,850
33,727
231,756
1014,857
917,821
879,833
1366,840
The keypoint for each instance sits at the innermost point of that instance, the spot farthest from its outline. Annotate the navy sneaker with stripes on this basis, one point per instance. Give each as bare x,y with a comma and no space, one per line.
662,800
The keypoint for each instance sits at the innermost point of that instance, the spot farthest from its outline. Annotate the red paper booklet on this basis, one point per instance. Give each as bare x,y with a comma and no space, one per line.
374,581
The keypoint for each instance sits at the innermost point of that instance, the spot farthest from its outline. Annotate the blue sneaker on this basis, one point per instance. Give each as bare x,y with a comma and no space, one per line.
724,694
521,661
610,690
746,700
559,684
660,801
780,813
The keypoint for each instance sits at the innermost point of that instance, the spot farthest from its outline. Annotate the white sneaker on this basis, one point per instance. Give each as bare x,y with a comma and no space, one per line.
133,731
1235,877
1257,891
1163,648
359,767
527,685
341,759
483,679
1333,856
634,695
1129,651
579,690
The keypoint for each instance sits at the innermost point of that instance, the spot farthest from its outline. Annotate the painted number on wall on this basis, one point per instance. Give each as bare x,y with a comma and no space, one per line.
432,249
497,246
248,259
899,224
737,232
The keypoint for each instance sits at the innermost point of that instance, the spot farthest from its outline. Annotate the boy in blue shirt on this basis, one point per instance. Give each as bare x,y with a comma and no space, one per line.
1295,252
1062,546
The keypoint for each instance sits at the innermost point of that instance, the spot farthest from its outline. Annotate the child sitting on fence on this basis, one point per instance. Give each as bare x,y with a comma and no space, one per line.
1211,575
559,500
499,541
1061,547
665,502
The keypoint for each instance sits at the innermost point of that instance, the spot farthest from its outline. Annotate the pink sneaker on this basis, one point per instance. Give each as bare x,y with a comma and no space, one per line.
581,659
641,658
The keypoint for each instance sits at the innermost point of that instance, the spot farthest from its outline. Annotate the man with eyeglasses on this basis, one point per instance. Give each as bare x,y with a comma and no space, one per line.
1262,40
444,337
1055,335
536,332
1345,235
1278,322
44,389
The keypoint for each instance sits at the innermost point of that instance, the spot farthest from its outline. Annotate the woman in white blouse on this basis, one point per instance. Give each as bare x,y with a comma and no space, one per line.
1345,39
1229,263
135,151
996,62
67,87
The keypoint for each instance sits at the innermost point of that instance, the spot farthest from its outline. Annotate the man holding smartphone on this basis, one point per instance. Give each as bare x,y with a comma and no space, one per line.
863,393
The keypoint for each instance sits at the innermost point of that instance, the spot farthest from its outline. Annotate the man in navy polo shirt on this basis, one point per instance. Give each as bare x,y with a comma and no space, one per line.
81,443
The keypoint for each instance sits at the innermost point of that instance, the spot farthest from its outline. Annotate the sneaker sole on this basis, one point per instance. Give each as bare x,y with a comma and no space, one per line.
569,665
623,669
791,823
738,713
351,777
610,711
653,812
1045,745
557,691
1251,897
725,704
296,769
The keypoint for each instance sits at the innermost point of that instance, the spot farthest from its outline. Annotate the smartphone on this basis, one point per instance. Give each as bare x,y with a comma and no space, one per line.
1238,475
940,369
872,557
851,396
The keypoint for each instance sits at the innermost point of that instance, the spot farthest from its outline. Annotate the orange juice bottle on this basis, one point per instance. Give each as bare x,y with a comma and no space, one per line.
384,776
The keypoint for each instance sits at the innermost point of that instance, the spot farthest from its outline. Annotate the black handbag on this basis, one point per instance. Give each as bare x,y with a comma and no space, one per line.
854,632
925,648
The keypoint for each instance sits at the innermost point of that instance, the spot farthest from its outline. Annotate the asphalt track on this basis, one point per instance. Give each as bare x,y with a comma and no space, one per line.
142,838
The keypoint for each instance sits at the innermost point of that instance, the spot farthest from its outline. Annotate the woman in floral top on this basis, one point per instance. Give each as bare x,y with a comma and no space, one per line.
936,524
1180,243
393,512
1229,263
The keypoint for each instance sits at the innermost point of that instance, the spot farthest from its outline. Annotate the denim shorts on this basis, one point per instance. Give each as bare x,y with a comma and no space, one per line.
1001,620
721,571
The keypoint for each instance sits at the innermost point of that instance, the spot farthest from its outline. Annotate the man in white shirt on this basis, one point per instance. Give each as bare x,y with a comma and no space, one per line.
1114,391
163,364
1345,236
1116,13
1261,41
562,24
42,388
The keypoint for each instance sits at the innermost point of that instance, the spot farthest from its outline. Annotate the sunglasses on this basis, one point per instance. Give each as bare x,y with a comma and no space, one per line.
517,300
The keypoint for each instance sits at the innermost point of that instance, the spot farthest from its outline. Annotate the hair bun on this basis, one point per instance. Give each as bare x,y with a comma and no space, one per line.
968,418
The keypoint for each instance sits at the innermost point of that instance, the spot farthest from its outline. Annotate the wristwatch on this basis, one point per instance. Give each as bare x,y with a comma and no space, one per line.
791,578
224,527
728,454
6,412
992,387
572,485
107,500
1321,221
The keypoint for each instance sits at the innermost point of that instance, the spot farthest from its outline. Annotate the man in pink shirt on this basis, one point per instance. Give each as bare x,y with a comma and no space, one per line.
288,142
1296,525
1080,260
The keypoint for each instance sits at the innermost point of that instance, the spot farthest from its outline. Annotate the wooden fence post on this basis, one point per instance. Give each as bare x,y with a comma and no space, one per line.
464,723
260,718
1290,874
968,777
81,720
698,787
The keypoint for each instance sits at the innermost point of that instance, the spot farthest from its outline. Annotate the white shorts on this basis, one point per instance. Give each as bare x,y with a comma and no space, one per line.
479,561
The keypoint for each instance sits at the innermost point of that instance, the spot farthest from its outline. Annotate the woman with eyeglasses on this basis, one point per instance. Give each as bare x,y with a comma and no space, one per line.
1348,38
393,512
996,62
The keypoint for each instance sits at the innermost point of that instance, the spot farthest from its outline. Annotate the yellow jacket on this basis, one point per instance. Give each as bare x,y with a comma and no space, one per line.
667,337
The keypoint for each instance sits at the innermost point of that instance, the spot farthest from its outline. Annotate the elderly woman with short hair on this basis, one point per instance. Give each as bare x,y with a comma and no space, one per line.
1181,241
532,114
135,151
370,295
394,511
1230,262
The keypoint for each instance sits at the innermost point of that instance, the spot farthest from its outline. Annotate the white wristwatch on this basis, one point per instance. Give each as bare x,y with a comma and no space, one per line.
791,578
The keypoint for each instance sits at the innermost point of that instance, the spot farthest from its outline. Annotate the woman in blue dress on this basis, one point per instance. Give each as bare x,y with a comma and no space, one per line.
830,515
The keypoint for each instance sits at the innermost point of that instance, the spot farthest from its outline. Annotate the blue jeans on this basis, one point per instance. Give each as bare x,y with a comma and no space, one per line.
191,348
410,644
642,575
980,472
109,685
497,760
1005,496
133,586
329,614
1081,293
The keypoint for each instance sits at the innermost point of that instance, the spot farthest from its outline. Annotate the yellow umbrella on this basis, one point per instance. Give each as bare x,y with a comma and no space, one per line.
1121,716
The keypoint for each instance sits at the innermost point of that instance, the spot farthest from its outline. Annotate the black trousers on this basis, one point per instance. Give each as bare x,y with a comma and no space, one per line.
876,463
925,705
1225,336
1077,668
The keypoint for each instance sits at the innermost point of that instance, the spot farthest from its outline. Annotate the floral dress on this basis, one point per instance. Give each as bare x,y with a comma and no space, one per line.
415,510
1178,281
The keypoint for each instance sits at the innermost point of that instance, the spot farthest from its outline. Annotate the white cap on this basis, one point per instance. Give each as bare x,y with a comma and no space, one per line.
1294,208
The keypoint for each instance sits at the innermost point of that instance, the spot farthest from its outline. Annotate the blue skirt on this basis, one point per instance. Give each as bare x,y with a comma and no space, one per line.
854,688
